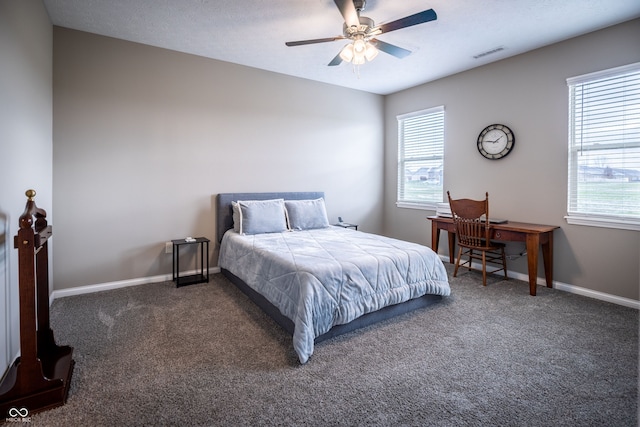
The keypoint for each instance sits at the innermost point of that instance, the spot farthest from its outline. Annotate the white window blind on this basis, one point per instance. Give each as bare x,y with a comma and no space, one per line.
604,148
420,158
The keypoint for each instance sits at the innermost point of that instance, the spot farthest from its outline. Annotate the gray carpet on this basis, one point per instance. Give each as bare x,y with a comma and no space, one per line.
486,356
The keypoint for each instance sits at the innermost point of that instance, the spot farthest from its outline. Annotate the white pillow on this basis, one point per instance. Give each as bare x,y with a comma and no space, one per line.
236,216
261,216
306,214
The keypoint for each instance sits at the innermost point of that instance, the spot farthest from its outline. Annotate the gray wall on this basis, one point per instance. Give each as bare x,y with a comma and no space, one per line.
529,94
25,140
145,137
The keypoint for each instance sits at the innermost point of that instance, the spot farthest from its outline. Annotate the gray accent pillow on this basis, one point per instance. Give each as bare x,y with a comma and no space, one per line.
261,216
306,214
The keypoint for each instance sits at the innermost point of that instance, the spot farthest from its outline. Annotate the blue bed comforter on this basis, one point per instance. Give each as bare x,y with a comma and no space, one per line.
331,276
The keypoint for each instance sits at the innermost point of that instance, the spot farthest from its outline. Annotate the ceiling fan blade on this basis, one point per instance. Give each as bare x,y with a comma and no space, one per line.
408,21
312,41
348,11
391,49
335,61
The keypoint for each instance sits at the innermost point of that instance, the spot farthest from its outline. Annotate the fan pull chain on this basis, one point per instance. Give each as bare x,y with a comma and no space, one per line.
356,71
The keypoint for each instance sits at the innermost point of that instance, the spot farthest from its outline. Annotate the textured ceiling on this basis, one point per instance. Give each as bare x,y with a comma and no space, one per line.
254,32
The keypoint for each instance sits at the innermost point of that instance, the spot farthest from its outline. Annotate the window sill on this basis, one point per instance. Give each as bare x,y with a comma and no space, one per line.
604,222
421,206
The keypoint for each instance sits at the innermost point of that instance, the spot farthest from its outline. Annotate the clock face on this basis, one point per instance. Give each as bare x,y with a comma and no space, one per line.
495,141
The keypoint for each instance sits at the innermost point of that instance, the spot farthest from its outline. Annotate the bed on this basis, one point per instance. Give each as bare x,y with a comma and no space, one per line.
316,280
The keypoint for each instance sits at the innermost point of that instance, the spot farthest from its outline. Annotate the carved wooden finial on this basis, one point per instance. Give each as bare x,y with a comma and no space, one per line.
30,194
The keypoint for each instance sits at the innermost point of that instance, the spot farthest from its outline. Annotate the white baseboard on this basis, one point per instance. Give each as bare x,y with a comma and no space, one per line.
627,302
89,289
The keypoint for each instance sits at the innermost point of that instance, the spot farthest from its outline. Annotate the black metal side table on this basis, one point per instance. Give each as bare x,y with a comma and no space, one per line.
203,276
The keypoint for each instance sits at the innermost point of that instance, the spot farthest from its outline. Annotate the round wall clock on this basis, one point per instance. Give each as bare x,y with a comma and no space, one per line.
495,141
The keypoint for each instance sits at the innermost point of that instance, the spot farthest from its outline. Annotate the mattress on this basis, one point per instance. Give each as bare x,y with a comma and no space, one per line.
326,277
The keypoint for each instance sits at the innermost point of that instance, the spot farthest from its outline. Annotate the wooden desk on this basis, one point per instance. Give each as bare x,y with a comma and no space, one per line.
533,235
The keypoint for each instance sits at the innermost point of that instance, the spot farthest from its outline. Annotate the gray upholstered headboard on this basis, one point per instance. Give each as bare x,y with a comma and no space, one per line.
224,213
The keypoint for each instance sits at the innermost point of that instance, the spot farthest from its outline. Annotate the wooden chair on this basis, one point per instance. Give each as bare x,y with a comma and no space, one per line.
471,221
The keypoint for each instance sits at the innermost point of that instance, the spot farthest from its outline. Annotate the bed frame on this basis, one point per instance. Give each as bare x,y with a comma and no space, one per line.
224,215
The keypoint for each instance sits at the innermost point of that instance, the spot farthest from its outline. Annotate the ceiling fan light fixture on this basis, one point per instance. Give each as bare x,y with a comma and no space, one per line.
358,60
370,52
358,52
347,53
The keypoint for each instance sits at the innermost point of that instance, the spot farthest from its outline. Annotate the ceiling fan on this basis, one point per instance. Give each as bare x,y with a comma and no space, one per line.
362,32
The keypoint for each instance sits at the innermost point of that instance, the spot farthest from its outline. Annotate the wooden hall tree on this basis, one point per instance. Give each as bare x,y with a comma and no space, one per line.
39,378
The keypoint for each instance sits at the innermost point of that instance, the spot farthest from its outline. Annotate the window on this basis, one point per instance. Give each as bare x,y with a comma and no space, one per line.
604,148
420,158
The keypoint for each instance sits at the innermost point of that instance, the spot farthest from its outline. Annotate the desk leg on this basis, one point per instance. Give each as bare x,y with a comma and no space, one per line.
533,245
452,247
435,239
547,259
435,236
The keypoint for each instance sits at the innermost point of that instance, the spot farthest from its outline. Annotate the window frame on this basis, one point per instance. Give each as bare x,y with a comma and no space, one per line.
575,216
403,202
